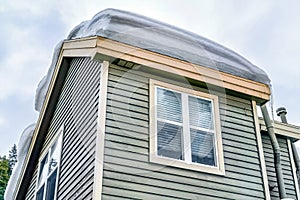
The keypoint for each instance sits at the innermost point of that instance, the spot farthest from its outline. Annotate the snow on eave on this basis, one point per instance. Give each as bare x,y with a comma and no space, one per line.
159,37
153,35
22,148
43,85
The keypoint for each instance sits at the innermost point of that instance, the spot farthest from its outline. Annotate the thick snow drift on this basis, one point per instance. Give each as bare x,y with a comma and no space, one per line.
156,36
22,148
44,83
162,38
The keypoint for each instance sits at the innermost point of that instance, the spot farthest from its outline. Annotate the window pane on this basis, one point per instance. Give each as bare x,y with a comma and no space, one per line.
169,137
200,113
169,105
40,193
43,170
203,148
51,185
54,156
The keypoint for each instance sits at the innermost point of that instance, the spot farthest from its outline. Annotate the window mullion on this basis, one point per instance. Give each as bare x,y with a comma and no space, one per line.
170,122
47,170
186,129
202,129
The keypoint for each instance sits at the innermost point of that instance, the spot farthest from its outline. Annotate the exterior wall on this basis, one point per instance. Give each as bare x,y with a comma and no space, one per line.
127,170
128,174
286,167
76,110
32,188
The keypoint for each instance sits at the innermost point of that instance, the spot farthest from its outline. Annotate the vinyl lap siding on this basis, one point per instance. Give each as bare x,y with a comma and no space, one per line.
128,174
31,189
286,167
76,110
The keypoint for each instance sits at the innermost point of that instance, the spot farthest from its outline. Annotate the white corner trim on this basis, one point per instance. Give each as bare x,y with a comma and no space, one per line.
261,152
294,170
98,174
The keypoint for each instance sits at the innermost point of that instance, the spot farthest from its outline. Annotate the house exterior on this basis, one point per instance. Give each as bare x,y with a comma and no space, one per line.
137,109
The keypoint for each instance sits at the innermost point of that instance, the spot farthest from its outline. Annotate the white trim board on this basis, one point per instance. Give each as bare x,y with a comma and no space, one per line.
99,159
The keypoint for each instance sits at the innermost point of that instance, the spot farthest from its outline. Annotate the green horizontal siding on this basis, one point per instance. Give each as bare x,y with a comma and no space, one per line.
76,110
32,186
128,174
285,164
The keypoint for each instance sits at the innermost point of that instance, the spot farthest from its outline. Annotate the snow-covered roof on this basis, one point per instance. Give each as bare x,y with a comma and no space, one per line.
159,37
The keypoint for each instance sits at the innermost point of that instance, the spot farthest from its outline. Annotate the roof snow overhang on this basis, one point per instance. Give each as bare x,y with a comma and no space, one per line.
156,36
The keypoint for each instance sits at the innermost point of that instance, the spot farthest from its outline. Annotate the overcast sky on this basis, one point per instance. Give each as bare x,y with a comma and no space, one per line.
265,32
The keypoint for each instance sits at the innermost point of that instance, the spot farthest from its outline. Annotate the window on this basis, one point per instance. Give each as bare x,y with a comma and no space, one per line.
48,171
185,128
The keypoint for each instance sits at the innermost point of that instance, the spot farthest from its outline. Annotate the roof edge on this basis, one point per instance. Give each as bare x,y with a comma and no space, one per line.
288,130
153,35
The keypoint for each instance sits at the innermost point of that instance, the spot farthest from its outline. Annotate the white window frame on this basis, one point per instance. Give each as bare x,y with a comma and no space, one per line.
186,163
58,136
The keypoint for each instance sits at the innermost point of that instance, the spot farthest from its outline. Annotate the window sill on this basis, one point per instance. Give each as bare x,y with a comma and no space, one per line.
190,166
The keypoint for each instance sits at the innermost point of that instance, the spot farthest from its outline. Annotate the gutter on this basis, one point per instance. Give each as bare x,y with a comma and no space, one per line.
276,149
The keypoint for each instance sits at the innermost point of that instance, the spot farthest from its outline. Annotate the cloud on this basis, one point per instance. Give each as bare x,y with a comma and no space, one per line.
2,121
29,33
268,36
15,114
27,41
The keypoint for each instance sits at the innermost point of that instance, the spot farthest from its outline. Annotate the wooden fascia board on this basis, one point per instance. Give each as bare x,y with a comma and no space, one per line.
80,43
287,130
80,47
98,46
197,72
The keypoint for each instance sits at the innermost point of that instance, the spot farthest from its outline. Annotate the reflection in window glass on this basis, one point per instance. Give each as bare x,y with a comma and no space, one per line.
169,138
43,170
40,193
169,105
200,113
54,156
51,183
202,147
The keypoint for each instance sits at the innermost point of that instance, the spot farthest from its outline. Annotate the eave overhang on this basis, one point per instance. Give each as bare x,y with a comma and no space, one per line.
107,49
287,130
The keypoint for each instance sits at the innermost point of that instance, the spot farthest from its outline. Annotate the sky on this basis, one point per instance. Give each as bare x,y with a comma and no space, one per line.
267,33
